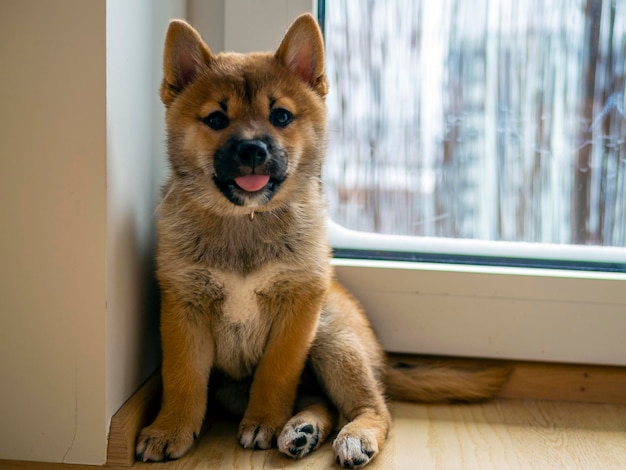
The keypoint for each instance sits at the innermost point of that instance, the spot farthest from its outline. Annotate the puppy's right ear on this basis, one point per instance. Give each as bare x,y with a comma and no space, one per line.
184,57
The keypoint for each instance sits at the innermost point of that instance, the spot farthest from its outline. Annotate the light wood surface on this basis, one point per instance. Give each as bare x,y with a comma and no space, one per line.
138,410
561,382
548,416
503,434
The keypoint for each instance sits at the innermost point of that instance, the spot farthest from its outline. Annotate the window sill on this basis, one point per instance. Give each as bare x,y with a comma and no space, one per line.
516,313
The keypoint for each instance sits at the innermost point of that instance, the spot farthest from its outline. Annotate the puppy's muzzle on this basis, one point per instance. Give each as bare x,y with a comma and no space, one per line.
250,171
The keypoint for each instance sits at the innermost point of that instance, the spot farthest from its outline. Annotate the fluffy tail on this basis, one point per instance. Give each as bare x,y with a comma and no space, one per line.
443,381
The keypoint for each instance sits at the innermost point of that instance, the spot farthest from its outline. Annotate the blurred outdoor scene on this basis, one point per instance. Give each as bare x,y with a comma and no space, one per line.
487,119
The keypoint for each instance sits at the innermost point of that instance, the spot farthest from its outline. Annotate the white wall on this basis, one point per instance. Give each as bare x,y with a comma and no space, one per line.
52,230
207,16
242,25
81,157
135,168
81,162
259,26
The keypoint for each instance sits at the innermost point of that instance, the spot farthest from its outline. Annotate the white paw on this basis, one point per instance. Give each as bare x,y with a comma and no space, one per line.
354,452
155,444
255,436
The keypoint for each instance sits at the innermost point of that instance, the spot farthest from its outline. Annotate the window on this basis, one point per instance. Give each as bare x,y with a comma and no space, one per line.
487,140
493,120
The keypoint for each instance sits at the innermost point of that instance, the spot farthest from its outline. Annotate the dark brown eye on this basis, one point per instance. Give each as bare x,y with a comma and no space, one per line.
280,117
217,120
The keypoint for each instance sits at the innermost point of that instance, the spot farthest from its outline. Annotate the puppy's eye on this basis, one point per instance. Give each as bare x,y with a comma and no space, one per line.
280,117
217,120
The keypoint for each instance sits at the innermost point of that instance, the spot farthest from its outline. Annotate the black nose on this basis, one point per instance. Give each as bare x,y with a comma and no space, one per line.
252,152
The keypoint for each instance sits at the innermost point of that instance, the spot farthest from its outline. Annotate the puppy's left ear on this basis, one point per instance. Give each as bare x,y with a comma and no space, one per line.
302,50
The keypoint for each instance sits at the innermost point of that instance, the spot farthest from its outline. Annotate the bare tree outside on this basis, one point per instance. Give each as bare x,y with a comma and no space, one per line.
487,119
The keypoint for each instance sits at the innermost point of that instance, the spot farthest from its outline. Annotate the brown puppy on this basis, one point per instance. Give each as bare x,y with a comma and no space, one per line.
250,310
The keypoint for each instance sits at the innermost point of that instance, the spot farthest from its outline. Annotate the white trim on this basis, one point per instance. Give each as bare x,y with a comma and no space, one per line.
341,237
496,312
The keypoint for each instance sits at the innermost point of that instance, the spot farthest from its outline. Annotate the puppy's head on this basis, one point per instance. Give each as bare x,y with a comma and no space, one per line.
245,131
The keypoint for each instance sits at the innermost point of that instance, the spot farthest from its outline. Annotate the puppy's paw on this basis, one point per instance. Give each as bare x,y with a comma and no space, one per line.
256,435
155,444
354,450
298,439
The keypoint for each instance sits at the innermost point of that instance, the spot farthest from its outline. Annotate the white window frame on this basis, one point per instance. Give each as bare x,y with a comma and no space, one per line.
521,313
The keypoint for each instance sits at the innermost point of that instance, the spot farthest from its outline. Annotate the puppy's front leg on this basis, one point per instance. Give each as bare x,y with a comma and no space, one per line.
187,359
278,373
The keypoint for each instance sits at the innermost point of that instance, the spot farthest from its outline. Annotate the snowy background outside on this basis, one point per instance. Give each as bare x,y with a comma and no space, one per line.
487,119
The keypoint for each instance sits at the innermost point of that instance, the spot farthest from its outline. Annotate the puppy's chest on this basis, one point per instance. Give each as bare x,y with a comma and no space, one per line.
242,327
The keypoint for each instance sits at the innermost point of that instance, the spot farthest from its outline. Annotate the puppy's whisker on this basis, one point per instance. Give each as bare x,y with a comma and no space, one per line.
164,198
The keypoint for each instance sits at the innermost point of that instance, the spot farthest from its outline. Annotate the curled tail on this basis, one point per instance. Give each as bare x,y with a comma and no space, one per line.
443,381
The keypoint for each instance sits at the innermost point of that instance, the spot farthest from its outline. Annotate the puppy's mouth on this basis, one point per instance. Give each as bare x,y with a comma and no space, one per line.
249,172
249,190
252,183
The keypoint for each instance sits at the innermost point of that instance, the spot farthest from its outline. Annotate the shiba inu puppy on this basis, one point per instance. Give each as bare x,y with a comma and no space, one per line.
251,314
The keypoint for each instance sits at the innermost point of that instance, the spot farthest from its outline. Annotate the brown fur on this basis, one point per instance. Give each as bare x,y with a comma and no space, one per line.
250,310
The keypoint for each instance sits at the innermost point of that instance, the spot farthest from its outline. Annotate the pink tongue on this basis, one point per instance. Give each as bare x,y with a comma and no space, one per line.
252,182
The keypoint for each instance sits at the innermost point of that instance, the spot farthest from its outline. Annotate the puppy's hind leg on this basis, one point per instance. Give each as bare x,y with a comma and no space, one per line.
360,400
352,385
308,428
348,361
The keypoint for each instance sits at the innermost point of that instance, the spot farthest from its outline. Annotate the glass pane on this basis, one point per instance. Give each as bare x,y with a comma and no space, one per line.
485,119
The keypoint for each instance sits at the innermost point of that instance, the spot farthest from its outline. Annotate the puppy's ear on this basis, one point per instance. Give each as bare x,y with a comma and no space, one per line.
302,50
184,57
